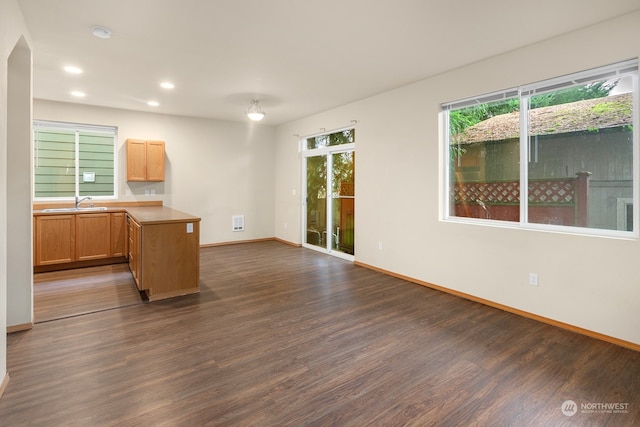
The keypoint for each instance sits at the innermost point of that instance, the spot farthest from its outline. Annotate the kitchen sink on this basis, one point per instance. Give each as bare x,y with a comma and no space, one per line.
97,208
81,209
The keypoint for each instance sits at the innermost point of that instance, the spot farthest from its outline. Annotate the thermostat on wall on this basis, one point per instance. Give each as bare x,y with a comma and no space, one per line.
89,176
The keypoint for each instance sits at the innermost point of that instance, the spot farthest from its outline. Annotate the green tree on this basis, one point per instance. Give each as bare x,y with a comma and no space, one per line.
580,93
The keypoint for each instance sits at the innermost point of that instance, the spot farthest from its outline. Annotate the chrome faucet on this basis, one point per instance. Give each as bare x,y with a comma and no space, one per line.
81,199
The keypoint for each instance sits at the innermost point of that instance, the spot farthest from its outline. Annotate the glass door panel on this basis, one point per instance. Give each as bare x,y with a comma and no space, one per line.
316,223
342,214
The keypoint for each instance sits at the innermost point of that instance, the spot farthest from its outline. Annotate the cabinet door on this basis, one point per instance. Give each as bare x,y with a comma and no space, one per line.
155,161
131,246
54,239
136,160
145,160
135,235
118,234
93,236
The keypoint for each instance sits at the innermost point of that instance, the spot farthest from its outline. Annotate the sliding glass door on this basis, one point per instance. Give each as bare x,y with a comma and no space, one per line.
329,220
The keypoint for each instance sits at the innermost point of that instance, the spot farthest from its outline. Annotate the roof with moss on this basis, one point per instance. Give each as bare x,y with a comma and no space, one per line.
588,115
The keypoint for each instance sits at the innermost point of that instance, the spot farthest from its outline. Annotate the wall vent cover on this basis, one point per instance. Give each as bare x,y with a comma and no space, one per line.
237,222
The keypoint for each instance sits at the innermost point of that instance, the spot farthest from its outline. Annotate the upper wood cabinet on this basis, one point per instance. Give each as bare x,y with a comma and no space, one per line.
145,160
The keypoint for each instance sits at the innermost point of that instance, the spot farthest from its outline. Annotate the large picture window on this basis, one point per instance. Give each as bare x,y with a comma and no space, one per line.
559,153
72,160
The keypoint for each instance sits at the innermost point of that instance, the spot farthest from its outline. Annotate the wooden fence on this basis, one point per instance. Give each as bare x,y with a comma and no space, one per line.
562,201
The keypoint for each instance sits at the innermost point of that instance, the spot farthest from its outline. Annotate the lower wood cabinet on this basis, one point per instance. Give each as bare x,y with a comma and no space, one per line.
78,237
134,250
164,256
162,246
93,236
119,241
54,237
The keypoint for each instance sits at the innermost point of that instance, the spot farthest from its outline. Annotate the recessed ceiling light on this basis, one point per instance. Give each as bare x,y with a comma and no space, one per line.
167,85
101,32
153,103
73,69
78,94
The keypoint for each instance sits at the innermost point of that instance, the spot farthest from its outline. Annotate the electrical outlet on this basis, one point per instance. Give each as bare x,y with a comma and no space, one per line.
533,279
379,246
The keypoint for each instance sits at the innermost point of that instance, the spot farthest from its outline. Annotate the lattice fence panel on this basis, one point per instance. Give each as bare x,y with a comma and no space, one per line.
556,192
552,192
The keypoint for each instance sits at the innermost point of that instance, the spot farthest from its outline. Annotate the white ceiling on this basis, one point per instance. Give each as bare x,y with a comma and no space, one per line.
298,57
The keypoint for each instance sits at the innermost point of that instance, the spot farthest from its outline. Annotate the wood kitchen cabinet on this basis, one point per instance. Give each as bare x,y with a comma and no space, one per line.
76,239
93,236
145,160
164,252
134,249
119,241
54,237
162,245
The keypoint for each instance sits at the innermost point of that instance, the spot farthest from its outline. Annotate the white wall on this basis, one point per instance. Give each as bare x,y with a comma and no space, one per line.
19,186
588,282
13,31
214,169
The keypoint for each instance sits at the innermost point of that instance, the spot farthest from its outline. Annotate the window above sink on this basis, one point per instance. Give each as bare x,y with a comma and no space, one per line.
74,160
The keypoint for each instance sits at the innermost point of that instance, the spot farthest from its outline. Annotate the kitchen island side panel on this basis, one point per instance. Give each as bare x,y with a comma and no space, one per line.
170,259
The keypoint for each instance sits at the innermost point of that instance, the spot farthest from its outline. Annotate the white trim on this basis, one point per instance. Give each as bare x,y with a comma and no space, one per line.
636,154
606,72
618,69
49,124
325,132
482,99
524,158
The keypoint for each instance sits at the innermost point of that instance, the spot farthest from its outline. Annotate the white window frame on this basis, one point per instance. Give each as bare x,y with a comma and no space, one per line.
622,69
48,124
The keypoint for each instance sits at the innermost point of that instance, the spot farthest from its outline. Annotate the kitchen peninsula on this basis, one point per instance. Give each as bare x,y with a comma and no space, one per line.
161,245
164,251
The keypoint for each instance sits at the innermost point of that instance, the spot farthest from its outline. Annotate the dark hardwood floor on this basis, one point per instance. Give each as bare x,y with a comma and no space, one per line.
69,293
284,336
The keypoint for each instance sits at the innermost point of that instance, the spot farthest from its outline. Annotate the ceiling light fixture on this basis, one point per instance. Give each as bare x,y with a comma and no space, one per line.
254,112
167,85
153,103
73,69
101,32
78,94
